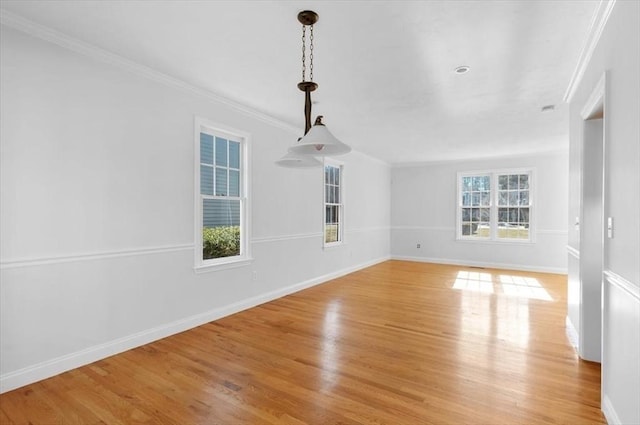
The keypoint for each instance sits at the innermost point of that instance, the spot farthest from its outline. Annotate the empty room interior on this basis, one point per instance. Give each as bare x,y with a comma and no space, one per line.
320,212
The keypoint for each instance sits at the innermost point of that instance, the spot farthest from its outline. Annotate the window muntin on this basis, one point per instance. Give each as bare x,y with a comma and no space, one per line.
333,205
221,226
495,205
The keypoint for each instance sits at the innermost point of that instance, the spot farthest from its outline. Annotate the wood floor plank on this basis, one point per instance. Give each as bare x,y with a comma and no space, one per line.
396,343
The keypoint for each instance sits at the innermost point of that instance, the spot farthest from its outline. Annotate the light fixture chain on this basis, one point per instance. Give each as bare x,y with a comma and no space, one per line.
304,52
311,53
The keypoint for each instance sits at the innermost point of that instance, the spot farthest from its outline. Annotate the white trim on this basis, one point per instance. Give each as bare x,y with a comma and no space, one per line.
596,99
494,174
214,129
598,22
622,283
573,252
49,368
453,229
475,159
269,239
91,256
223,265
609,412
369,229
425,228
341,194
466,263
45,33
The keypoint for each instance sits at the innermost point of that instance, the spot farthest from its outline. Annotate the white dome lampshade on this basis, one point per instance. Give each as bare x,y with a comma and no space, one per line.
291,160
319,142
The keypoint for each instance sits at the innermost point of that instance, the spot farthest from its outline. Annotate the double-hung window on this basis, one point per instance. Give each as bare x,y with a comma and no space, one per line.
333,204
495,205
221,201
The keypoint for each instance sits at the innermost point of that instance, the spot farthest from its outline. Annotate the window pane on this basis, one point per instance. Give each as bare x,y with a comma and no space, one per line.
221,181
234,183
524,181
513,215
475,214
466,230
327,173
475,199
466,214
332,232
513,181
486,183
485,214
466,199
483,230
485,199
477,183
503,214
221,152
524,197
466,183
337,171
503,182
206,148
524,215
234,154
221,228
206,180
220,212
503,198
513,198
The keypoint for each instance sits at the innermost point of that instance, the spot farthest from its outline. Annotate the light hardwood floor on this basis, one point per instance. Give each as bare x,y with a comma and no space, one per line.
396,343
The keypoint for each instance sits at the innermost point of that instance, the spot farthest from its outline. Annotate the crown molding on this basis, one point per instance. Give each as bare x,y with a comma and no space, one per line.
45,33
598,22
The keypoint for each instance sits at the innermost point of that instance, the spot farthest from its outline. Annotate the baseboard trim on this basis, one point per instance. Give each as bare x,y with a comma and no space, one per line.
19,378
465,263
609,412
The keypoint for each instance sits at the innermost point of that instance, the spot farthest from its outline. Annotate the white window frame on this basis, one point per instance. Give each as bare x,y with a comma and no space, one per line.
336,164
493,234
201,265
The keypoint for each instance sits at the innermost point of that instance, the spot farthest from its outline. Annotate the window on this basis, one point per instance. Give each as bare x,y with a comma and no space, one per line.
221,204
495,205
333,204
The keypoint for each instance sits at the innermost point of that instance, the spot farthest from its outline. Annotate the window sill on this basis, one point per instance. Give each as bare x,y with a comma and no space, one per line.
231,264
333,245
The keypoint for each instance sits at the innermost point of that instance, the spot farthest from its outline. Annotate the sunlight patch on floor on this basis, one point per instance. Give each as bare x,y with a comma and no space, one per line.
509,285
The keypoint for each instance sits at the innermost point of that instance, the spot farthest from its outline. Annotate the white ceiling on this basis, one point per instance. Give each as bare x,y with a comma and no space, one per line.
384,68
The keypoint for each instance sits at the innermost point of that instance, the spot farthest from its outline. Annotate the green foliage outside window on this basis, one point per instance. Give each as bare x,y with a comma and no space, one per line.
218,242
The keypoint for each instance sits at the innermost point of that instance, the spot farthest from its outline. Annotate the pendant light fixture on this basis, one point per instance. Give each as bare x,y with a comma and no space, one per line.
317,140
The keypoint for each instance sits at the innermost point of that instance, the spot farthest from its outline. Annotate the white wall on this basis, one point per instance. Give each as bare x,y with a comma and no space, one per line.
423,210
617,53
97,211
